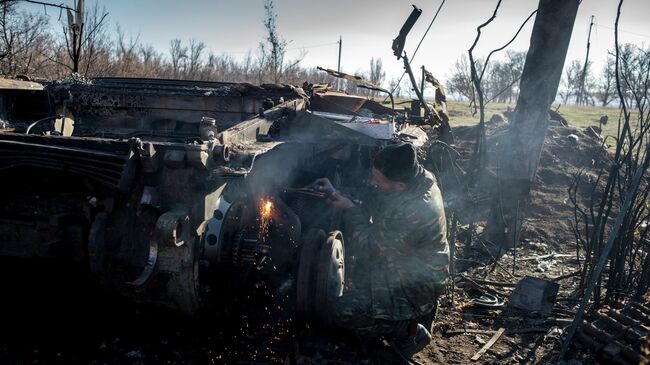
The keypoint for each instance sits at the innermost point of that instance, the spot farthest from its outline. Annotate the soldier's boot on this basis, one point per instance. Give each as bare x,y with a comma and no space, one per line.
411,345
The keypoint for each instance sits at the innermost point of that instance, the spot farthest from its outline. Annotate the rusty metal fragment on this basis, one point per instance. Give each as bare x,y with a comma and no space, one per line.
617,336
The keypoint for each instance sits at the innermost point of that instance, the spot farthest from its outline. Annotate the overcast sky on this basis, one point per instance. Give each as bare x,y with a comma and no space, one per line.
367,28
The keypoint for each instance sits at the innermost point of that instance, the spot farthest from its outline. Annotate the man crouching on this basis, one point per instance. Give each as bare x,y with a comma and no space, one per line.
396,241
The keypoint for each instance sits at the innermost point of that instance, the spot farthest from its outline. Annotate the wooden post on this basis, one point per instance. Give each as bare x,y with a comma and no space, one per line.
523,143
338,69
581,95
422,82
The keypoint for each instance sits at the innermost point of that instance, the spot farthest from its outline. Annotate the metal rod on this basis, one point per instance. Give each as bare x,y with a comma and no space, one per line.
514,240
418,47
407,67
452,254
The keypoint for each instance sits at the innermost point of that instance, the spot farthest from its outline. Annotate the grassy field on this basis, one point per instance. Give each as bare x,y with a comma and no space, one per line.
578,116
460,114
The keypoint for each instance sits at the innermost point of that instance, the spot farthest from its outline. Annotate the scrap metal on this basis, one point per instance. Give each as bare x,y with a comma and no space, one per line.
171,190
617,336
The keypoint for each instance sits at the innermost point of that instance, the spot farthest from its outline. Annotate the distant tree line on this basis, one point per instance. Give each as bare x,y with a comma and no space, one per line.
502,79
634,71
500,83
28,46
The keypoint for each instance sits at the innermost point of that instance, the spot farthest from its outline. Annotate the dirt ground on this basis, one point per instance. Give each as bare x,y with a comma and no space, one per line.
547,250
51,314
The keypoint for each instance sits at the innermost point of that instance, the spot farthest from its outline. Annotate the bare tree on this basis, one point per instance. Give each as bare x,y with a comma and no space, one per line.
508,87
223,68
460,82
96,42
272,51
22,39
127,53
634,71
274,47
178,56
606,87
394,85
377,73
152,61
195,58
571,81
247,65
74,33
87,46
500,82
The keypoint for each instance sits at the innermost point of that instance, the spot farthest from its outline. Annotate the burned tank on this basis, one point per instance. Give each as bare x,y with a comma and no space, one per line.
170,191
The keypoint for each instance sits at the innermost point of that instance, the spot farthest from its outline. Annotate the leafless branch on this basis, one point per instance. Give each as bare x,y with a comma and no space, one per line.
487,59
60,6
503,90
479,151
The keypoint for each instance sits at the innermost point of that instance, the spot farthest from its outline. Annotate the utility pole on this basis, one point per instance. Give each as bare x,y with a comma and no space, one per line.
581,96
422,81
338,81
76,28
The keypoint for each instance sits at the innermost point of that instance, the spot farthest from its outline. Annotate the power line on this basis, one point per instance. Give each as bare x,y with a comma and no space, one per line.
289,49
622,31
427,31
313,46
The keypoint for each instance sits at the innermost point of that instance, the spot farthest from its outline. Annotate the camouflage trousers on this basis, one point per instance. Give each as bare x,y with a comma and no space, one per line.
353,311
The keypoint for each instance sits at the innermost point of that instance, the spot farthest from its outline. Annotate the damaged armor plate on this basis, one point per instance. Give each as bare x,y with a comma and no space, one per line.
169,189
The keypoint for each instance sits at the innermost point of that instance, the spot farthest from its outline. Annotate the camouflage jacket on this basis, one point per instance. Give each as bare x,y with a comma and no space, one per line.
399,241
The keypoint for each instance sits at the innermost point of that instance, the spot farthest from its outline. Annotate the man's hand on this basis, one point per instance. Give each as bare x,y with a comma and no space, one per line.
323,185
339,201
332,196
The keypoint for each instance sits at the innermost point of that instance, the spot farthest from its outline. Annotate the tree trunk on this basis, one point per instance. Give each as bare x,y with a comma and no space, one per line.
523,143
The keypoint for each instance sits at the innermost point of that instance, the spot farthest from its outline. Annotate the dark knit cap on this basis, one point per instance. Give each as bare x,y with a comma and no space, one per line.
398,162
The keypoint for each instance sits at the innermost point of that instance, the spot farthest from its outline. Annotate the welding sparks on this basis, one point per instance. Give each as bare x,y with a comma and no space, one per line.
266,208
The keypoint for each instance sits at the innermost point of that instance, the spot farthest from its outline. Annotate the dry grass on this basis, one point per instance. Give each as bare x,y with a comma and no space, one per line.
578,116
460,114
